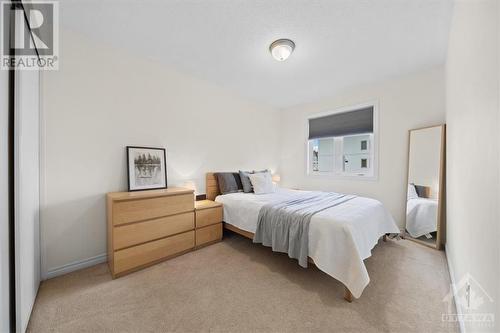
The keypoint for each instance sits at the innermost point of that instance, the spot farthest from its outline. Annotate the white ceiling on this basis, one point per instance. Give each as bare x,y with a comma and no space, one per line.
339,43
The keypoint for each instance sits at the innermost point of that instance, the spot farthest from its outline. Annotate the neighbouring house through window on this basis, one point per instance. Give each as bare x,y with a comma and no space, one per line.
343,143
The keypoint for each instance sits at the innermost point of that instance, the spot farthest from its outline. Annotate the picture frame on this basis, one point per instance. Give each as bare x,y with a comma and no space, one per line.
146,168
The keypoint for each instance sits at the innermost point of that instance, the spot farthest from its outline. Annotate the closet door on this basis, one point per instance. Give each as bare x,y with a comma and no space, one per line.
26,175
5,272
26,191
27,227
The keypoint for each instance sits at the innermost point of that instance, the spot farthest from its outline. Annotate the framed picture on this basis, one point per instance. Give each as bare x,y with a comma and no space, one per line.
147,168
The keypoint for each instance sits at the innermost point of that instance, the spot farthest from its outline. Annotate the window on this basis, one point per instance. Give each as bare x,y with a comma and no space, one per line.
364,144
342,143
324,157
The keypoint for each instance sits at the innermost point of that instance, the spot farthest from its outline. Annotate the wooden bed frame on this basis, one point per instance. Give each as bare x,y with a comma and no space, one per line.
212,189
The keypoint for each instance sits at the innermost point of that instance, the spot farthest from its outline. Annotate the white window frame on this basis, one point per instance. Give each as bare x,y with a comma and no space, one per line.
374,148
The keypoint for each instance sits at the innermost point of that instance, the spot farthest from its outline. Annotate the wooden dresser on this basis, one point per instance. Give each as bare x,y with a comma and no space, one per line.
208,222
148,226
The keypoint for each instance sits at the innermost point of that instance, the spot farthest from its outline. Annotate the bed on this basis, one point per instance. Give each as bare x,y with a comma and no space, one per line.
340,238
421,216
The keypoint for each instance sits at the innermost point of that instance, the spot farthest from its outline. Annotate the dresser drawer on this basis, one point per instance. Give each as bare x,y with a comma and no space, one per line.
140,232
208,216
146,253
208,234
142,209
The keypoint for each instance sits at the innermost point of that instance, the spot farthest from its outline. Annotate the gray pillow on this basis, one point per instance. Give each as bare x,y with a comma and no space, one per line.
245,180
238,181
227,182
422,191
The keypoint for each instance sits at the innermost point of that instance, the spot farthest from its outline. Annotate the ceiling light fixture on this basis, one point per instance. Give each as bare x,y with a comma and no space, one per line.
281,49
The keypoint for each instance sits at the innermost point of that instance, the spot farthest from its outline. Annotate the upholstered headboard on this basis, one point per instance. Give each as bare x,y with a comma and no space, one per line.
212,187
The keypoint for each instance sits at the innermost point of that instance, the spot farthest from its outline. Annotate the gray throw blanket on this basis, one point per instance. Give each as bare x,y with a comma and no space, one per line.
284,225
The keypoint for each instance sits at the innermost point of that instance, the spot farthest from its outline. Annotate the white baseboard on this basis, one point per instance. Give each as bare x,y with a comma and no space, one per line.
74,266
453,285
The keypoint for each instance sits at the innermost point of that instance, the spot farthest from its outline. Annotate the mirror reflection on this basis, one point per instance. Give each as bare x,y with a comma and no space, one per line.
425,168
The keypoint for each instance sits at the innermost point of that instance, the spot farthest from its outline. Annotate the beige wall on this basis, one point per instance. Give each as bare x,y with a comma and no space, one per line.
404,103
102,100
473,147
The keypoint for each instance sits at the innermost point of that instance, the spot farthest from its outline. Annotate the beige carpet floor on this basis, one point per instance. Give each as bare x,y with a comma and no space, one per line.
236,286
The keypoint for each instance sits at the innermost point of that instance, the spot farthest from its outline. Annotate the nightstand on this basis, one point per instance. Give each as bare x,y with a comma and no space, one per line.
208,222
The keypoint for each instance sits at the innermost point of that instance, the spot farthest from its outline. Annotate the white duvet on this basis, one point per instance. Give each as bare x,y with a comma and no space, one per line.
421,216
340,238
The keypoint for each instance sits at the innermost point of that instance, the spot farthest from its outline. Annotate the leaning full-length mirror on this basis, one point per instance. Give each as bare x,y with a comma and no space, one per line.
425,187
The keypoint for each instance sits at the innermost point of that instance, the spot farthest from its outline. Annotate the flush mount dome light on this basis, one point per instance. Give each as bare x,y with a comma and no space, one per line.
281,49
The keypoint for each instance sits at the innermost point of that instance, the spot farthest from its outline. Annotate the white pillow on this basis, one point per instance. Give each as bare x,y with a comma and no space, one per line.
412,192
262,182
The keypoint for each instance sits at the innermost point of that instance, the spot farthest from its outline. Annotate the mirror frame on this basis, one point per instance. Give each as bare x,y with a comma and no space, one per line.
441,218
